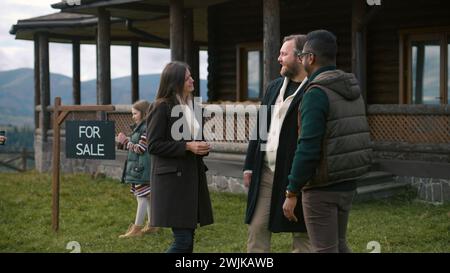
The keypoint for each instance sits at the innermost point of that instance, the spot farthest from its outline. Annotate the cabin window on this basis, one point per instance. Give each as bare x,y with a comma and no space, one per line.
254,72
425,67
425,72
249,72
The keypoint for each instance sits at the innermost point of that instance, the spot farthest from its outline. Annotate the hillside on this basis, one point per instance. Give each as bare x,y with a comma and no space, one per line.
17,92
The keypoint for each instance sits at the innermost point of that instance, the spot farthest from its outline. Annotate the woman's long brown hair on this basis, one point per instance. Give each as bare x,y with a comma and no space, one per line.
171,83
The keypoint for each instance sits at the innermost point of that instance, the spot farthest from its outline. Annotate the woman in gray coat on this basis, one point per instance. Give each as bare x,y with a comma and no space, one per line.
180,196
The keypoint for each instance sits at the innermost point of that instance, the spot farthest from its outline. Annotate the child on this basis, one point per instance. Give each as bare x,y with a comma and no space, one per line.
137,169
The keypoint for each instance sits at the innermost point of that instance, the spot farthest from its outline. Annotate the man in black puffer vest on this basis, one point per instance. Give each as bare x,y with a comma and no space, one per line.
333,150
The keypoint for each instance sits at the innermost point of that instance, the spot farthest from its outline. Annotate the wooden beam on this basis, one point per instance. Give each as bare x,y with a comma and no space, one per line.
76,82
10,166
408,61
24,159
358,12
359,48
127,39
11,159
142,7
55,165
176,30
191,53
195,69
374,11
103,58
134,72
188,32
444,70
69,38
402,86
44,77
37,82
241,71
213,53
62,116
85,108
146,35
420,63
271,41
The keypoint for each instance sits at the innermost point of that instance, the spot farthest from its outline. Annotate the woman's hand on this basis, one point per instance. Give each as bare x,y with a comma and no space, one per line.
247,179
198,147
121,138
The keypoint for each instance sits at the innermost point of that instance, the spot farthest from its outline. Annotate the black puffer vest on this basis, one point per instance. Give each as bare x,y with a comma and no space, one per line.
346,148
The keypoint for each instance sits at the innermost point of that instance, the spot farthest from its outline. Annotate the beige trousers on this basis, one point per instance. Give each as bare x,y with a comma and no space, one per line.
259,236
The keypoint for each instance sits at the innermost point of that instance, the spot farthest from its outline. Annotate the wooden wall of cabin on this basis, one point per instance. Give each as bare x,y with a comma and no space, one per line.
235,22
241,21
229,24
383,42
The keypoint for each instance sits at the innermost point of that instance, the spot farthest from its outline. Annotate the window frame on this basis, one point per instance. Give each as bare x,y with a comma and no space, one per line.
407,36
242,50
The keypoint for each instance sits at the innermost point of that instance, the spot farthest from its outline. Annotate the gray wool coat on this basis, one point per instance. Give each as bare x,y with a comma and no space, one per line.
180,196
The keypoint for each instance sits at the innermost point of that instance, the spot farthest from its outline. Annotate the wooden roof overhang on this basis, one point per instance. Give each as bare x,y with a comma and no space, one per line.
145,21
65,27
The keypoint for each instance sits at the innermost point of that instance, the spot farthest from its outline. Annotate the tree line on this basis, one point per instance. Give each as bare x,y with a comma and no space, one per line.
18,138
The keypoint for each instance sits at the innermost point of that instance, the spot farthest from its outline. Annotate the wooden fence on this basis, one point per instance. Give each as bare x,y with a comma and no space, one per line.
18,160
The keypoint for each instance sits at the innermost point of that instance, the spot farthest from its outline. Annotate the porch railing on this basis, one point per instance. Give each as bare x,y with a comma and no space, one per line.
425,128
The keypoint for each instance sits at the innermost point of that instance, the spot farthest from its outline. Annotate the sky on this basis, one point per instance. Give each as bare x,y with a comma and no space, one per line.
18,53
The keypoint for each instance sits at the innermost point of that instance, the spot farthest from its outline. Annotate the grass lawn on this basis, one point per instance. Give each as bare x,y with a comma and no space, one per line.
95,212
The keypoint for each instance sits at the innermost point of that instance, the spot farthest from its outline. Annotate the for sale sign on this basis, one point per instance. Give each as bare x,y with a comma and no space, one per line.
90,139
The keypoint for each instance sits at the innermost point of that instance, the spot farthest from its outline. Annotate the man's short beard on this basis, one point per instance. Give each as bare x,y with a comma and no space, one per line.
290,72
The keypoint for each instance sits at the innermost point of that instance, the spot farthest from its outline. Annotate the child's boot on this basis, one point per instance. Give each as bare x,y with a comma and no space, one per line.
133,231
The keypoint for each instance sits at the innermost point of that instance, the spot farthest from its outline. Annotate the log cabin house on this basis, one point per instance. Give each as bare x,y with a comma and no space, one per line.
399,51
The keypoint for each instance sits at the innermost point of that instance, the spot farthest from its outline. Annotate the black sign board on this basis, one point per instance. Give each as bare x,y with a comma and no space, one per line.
90,139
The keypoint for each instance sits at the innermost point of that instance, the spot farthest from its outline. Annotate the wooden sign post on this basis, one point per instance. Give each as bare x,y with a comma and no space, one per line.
60,112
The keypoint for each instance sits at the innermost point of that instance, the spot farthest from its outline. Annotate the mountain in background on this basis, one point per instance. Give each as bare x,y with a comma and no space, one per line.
17,93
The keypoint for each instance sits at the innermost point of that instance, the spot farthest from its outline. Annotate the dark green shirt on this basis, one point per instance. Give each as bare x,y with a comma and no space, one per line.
314,112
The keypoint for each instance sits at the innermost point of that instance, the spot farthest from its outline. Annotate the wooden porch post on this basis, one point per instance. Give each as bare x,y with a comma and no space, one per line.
37,82
271,43
134,72
76,84
195,69
103,57
359,46
176,30
191,53
44,69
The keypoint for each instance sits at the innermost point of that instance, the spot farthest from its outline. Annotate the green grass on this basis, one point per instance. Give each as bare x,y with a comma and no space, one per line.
95,212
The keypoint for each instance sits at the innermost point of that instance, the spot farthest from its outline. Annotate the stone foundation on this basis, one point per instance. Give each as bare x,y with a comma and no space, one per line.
222,183
432,190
